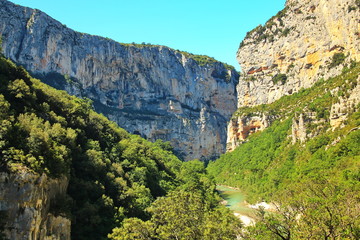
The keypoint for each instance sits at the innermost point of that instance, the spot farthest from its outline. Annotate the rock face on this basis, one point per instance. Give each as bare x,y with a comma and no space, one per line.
295,48
153,91
239,128
291,51
340,110
25,200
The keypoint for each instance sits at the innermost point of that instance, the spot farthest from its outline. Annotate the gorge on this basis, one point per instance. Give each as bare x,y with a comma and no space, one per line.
285,130
153,91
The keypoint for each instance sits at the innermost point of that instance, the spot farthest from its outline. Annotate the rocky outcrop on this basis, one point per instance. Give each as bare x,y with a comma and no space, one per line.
296,48
305,42
153,91
298,129
347,102
25,202
239,128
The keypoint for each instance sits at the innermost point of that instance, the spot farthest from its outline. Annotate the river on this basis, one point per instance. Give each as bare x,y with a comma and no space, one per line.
235,200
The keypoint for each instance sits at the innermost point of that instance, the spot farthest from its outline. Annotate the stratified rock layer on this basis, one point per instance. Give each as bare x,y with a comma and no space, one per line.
299,43
153,91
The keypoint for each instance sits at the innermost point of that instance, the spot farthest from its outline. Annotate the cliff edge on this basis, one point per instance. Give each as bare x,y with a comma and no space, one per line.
152,91
306,42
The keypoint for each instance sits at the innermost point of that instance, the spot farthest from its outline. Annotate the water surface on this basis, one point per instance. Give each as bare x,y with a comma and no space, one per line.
235,200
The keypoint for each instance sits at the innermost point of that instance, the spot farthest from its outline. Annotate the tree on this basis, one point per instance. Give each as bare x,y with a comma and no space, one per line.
133,229
314,209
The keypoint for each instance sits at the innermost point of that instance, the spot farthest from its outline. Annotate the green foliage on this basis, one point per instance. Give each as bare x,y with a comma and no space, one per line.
291,66
337,59
191,211
297,102
203,60
254,157
281,14
316,209
112,174
286,32
279,78
181,215
315,184
116,180
351,8
268,161
310,17
258,34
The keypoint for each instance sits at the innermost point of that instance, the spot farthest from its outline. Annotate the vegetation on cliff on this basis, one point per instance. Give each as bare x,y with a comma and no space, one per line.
202,60
114,177
314,181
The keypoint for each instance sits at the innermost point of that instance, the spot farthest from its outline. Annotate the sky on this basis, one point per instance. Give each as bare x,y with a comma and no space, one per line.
206,27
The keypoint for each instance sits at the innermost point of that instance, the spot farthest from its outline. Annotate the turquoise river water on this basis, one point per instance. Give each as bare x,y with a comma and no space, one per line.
235,200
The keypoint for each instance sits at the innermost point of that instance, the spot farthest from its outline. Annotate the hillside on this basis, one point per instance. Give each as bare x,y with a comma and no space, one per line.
295,48
152,91
68,172
292,117
310,127
307,161
294,140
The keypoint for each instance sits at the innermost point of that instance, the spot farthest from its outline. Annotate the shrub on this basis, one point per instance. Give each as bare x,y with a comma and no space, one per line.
279,78
351,8
286,32
337,59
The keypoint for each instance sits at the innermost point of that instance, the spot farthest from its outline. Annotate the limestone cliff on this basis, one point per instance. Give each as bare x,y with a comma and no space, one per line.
25,203
305,42
295,48
153,91
240,127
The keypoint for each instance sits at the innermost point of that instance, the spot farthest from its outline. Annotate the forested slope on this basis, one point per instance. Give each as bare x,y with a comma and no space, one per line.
307,162
112,175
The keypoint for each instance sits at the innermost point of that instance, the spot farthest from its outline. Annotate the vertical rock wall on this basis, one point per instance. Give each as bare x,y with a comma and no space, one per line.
153,91
25,202
294,49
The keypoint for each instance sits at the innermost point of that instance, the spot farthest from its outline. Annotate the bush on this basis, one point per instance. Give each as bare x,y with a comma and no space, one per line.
279,78
337,59
286,32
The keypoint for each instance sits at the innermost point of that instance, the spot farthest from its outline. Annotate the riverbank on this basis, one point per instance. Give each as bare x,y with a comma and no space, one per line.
234,199
266,206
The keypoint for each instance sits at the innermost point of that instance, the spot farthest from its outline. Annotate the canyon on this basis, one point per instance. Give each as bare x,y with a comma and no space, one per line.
153,91
196,103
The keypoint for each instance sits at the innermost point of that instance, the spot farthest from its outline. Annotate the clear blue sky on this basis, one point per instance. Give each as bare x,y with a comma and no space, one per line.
213,28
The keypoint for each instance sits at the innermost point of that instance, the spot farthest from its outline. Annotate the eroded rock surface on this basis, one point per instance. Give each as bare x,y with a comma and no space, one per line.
153,91
295,48
25,202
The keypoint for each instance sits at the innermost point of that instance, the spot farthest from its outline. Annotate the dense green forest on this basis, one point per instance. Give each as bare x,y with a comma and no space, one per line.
116,180
123,187
315,184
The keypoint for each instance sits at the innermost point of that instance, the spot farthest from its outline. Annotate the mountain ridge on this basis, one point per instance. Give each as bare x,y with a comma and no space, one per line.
196,92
